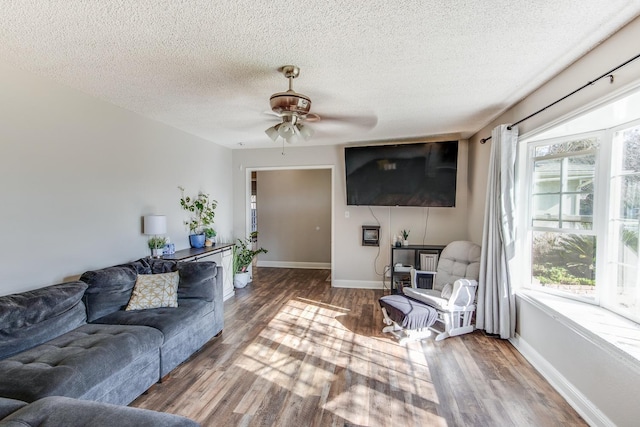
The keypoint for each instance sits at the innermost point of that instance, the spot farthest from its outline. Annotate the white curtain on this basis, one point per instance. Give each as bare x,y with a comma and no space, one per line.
496,302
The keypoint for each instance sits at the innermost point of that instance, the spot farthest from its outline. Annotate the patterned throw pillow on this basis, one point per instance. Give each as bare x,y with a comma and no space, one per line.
154,291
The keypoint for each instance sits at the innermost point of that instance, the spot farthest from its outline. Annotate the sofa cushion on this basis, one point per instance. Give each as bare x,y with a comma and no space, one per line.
159,265
31,318
73,363
154,291
197,279
9,406
169,321
25,309
63,411
109,289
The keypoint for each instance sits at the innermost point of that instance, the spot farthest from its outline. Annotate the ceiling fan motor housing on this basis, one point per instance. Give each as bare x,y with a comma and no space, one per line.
290,101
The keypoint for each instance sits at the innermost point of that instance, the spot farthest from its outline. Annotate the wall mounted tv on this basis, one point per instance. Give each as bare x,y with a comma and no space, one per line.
412,174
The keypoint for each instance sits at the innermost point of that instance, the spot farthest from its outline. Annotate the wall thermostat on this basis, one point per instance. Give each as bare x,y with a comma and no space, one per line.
370,235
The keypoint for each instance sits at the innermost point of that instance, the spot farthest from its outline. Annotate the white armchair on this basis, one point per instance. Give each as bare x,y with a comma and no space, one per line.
455,305
454,288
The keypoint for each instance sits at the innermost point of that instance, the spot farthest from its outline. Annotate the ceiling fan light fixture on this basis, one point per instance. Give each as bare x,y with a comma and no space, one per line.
293,108
305,131
285,130
272,132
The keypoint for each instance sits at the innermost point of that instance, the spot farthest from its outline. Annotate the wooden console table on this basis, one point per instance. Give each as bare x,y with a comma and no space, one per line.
194,254
225,250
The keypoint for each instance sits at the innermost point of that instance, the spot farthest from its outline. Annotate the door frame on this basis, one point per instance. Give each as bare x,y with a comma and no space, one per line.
247,220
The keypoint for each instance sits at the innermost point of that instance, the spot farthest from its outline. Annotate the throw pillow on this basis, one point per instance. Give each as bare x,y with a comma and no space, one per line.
154,291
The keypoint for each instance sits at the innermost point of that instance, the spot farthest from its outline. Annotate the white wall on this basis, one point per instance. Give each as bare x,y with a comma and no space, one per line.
589,375
294,203
78,174
356,265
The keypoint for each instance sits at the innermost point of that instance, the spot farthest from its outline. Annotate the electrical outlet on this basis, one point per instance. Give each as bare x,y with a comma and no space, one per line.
346,214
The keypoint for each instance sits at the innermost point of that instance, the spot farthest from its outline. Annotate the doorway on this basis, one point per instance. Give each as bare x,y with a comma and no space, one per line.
292,211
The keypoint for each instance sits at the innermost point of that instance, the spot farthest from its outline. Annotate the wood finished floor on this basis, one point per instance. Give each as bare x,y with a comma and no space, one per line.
296,352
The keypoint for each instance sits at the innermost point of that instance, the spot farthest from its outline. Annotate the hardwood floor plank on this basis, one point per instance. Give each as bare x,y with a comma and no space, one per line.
296,352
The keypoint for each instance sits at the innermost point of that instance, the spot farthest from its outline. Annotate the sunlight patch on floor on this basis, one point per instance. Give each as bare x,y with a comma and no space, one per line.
306,349
362,406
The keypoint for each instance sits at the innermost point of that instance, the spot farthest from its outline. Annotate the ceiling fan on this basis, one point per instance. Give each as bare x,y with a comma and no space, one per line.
293,108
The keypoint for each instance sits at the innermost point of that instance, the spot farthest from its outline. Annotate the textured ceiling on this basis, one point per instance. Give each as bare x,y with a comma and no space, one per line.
374,70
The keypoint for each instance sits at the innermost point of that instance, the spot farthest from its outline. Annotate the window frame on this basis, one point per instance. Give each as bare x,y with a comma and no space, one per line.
605,264
529,158
608,300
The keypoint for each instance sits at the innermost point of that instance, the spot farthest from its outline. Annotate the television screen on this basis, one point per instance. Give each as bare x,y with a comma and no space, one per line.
413,174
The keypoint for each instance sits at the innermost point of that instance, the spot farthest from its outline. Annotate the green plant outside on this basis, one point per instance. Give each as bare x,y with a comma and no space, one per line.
564,259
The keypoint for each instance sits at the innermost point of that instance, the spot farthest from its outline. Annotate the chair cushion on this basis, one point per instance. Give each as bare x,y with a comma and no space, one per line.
427,296
462,295
458,260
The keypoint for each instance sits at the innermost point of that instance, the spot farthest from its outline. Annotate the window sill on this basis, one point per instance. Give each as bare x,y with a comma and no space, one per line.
609,331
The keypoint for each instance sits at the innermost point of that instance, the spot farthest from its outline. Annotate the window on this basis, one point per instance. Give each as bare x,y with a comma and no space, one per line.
624,222
563,241
583,208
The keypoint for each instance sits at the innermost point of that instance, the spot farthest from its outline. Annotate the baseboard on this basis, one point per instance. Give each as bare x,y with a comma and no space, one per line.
294,264
357,284
578,401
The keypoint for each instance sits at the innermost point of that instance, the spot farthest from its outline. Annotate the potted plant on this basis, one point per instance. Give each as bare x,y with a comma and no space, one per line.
156,244
203,209
405,237
243,254
210,236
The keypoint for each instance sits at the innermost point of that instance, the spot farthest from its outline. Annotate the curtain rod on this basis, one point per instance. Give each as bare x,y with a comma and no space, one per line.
607,74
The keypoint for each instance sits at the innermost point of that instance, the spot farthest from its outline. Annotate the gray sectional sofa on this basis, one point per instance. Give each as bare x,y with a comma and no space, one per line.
76,339
64,411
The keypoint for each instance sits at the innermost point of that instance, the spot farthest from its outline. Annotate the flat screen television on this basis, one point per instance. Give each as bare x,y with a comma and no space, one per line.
412,174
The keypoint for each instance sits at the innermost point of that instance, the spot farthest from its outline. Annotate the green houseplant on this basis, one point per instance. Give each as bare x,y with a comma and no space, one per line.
210,235
202,208
156,244
243,254
405,237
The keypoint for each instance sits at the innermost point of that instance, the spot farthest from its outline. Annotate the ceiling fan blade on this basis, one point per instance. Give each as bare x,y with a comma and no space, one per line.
312,117
366,122
272,113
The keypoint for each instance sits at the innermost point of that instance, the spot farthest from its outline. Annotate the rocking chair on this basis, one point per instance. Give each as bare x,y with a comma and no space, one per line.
452,296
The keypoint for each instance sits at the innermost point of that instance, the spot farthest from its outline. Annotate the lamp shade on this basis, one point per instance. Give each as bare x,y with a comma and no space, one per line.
155,224
273,132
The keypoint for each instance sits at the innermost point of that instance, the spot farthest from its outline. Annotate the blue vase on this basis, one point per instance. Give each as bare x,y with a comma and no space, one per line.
196,240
